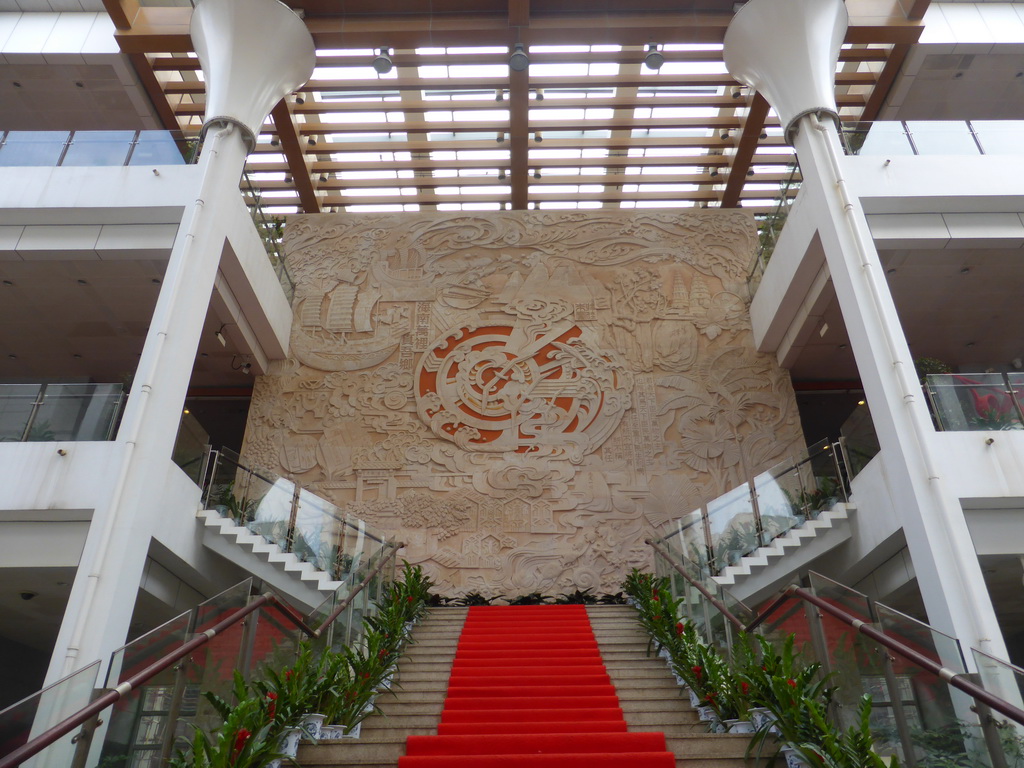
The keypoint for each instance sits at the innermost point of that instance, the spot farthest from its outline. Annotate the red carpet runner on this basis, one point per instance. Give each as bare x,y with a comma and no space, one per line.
529,690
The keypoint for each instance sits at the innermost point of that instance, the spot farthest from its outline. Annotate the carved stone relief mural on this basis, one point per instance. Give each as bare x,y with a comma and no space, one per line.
521,397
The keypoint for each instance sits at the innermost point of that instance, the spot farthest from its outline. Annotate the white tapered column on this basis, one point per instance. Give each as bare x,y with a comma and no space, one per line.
788,50
253,53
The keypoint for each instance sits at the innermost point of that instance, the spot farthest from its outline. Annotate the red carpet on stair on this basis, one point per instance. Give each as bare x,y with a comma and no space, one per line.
529,690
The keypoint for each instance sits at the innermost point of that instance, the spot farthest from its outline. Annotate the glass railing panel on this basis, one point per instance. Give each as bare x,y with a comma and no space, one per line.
77,412
942,137
139,723
32,716
860,441
999,137
937,646
32,148
973,402
882,138
17,403
268,507
1001,679
161,148
318,531
733,527
685,539
96,148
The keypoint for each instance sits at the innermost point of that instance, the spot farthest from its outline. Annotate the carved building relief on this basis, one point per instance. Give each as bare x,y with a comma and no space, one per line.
521,397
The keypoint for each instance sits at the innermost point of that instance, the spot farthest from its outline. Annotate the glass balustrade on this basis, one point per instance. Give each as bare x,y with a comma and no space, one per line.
59,412
94,148
752,515
972,402
934,137
858,440
297,521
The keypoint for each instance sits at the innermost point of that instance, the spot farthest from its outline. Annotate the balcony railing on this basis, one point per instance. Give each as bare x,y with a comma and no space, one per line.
934,137
976,402
764,508
59,412
94,148
284,514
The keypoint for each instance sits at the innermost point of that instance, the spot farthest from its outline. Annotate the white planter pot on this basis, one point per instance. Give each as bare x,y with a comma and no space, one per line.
288,745
694,698
311,725
739,726
793,758
763,719
338,732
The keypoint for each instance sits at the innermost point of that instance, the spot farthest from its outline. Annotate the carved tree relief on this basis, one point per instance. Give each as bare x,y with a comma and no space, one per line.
522,397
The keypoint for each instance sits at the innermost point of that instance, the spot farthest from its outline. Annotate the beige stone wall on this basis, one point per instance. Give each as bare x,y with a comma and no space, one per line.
522,397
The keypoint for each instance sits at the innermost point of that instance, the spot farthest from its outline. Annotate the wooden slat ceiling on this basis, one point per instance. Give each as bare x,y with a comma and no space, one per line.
451,127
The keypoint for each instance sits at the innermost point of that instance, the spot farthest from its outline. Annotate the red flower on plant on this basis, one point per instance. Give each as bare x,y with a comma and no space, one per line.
679,627
271,705
697,671
240,738
791,683
744,688
288,674
408,599
658,617
365,675
710,695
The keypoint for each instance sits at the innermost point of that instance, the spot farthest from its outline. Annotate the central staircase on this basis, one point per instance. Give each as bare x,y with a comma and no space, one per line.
531,686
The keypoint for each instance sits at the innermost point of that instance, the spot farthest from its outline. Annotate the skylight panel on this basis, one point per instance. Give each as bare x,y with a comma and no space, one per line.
665,204
559,49
324,52
478,70
483,154
692,47
469,50
481,115
558,70
557,114
593,171
430,51
371,192
396,208
459,136
355,117
445,173
684,112
438,116
353,175
432,71
554,154
559,189
692,68
603,68
353,137
605,48
671,187
594,152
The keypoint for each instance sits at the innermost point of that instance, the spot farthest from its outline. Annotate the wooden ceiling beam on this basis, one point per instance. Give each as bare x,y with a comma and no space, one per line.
714,80
292,149
886,80
624,56
667,101
750,137
336,184
426,164
165,30
519,114
121,12
609,195
165,111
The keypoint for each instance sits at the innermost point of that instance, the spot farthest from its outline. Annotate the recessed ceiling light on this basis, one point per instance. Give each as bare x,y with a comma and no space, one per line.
8,282
82,282
12,357
155,281
77,356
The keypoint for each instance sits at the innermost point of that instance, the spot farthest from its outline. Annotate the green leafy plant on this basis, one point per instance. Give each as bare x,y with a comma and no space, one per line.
832,748
534,598
475,598
584,597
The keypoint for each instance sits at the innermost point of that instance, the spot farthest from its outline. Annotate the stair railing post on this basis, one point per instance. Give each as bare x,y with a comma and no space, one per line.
293,516
756,507
899,713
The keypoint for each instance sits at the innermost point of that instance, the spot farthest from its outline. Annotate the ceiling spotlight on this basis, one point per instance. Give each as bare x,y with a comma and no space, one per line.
737,91
501,175
383,64
713,172
654,58
500,138
536,173
300,99
499,95
537,137
323,177
540,94
311,141
275,142
518,61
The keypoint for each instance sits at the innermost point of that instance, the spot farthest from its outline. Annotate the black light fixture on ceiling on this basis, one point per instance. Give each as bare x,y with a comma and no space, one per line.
383,64
518,61
654,58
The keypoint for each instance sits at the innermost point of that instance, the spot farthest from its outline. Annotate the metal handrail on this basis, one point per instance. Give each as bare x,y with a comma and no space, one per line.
65,726
793,591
